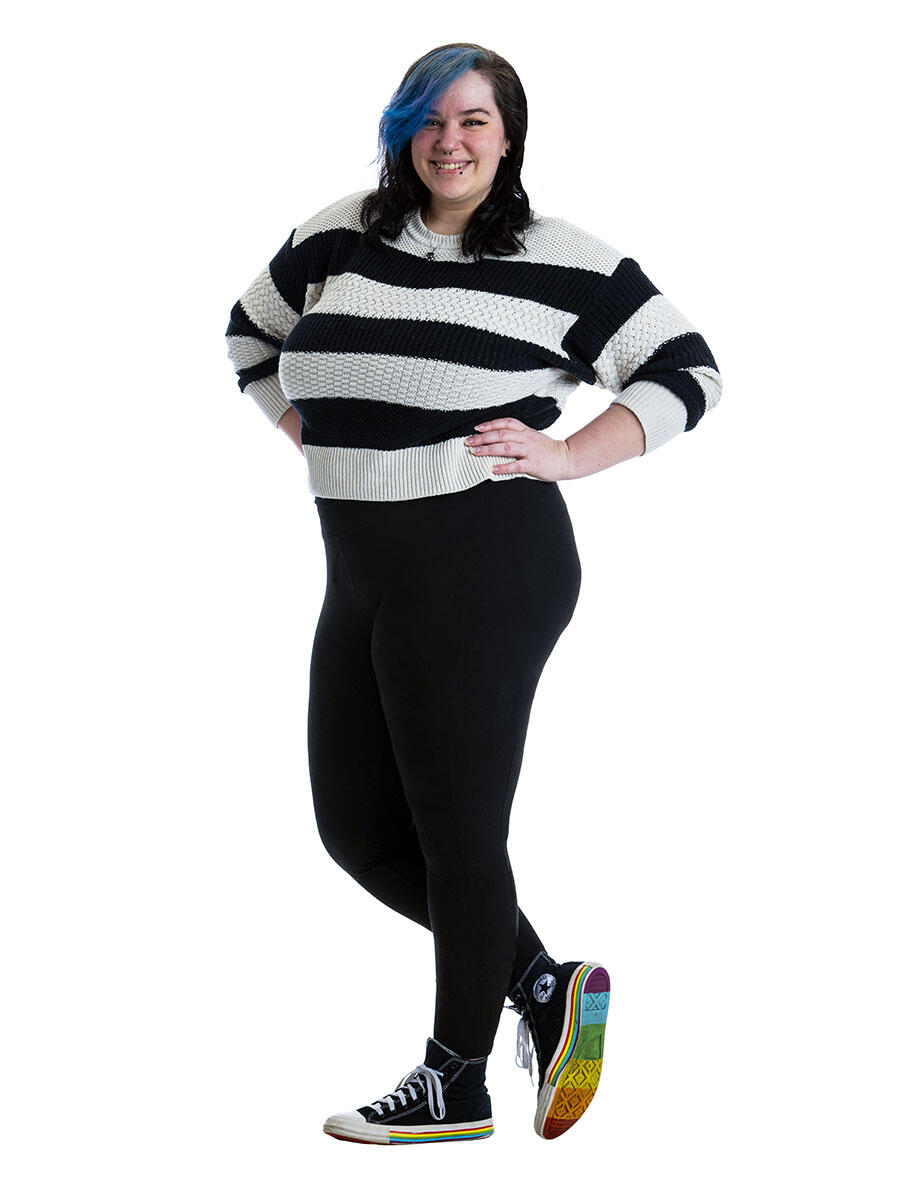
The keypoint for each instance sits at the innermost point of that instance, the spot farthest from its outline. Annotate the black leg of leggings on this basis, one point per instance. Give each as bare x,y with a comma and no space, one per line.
439,615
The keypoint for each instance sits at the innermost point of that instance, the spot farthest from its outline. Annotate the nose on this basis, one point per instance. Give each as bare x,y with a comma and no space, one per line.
449,144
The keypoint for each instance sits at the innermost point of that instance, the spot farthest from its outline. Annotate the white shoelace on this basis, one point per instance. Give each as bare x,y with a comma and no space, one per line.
428,1079
524,1045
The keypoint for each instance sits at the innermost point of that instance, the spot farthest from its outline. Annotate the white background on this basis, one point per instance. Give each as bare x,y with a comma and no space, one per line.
191,984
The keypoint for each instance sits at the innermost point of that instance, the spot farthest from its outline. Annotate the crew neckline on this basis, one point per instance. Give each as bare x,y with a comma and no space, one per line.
419,230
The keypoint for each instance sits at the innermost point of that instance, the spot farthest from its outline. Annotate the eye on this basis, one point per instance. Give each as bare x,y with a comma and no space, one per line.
469,121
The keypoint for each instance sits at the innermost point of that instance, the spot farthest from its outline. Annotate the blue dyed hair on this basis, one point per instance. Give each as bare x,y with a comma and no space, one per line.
410,105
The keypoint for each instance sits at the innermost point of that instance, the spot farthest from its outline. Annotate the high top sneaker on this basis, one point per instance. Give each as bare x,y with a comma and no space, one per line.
443,1099
563,1008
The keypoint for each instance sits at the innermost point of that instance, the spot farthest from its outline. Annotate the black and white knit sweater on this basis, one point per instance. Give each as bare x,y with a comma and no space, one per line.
391,357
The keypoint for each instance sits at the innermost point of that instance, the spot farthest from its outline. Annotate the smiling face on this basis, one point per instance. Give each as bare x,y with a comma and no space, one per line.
465,126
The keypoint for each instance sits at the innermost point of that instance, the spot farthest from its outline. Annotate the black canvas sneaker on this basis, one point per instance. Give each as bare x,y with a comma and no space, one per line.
563,1009
444,1099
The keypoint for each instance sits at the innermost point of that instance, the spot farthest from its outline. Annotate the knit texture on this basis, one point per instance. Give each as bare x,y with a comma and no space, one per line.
392,355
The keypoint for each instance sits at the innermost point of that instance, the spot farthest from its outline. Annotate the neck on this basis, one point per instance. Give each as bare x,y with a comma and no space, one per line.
445,219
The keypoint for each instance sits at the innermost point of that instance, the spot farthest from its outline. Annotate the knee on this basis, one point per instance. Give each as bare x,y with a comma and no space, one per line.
481,863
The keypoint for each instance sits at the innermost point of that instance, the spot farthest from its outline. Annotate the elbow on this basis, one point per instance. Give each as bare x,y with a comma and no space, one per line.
709,381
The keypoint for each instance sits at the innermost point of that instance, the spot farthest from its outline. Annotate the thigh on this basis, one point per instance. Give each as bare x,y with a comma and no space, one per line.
520,577
469,597
358,797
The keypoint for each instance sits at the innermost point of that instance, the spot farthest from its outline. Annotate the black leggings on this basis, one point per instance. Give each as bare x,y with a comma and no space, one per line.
439,615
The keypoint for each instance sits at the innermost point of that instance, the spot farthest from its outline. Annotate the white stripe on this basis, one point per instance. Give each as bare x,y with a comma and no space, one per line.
638,339
267,308
507,316
245,351
426,383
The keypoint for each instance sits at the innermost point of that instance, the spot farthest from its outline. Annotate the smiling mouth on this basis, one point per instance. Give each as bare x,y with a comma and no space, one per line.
456,168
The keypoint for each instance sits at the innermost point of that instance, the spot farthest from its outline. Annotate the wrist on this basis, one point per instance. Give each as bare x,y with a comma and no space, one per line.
571,466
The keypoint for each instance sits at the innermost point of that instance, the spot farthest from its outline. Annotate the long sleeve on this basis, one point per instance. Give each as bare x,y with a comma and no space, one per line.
261,320
647,353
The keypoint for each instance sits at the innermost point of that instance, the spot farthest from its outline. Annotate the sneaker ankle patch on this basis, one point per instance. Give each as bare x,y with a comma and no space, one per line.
544,987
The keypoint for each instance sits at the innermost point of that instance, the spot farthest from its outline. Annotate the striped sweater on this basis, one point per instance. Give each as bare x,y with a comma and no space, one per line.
392,356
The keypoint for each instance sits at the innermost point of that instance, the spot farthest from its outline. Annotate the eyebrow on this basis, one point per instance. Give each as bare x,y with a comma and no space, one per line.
465,112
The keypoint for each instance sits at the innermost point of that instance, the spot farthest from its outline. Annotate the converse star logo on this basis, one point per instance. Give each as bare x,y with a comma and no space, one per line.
543,988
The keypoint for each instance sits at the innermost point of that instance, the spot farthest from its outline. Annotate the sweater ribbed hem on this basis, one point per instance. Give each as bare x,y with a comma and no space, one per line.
348,473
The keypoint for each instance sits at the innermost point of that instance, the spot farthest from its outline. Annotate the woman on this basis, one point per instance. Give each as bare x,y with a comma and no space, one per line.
423,336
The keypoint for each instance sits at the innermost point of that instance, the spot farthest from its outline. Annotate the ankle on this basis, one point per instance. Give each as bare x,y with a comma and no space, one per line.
456,1054
527,993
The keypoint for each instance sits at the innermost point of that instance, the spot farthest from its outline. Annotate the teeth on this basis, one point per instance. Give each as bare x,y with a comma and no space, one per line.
453,167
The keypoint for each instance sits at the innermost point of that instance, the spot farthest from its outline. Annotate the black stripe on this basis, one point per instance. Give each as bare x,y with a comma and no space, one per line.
439,341
616,299
381,425
566,288
250,374
240,325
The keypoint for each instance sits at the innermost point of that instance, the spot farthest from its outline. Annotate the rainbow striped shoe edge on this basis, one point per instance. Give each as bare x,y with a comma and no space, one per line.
443,1099
353,1127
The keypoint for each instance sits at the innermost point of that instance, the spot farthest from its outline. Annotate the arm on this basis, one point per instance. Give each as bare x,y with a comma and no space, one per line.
258,325
612,437
631,340
647,353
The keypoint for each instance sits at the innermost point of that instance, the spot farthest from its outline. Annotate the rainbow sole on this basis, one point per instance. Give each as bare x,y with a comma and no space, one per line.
573,1072
410,1135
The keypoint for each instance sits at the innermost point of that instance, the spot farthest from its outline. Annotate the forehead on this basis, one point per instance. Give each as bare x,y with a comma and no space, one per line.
471,91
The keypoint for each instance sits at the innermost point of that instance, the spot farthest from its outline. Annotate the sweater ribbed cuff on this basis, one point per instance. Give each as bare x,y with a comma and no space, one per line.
269,396
660,411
